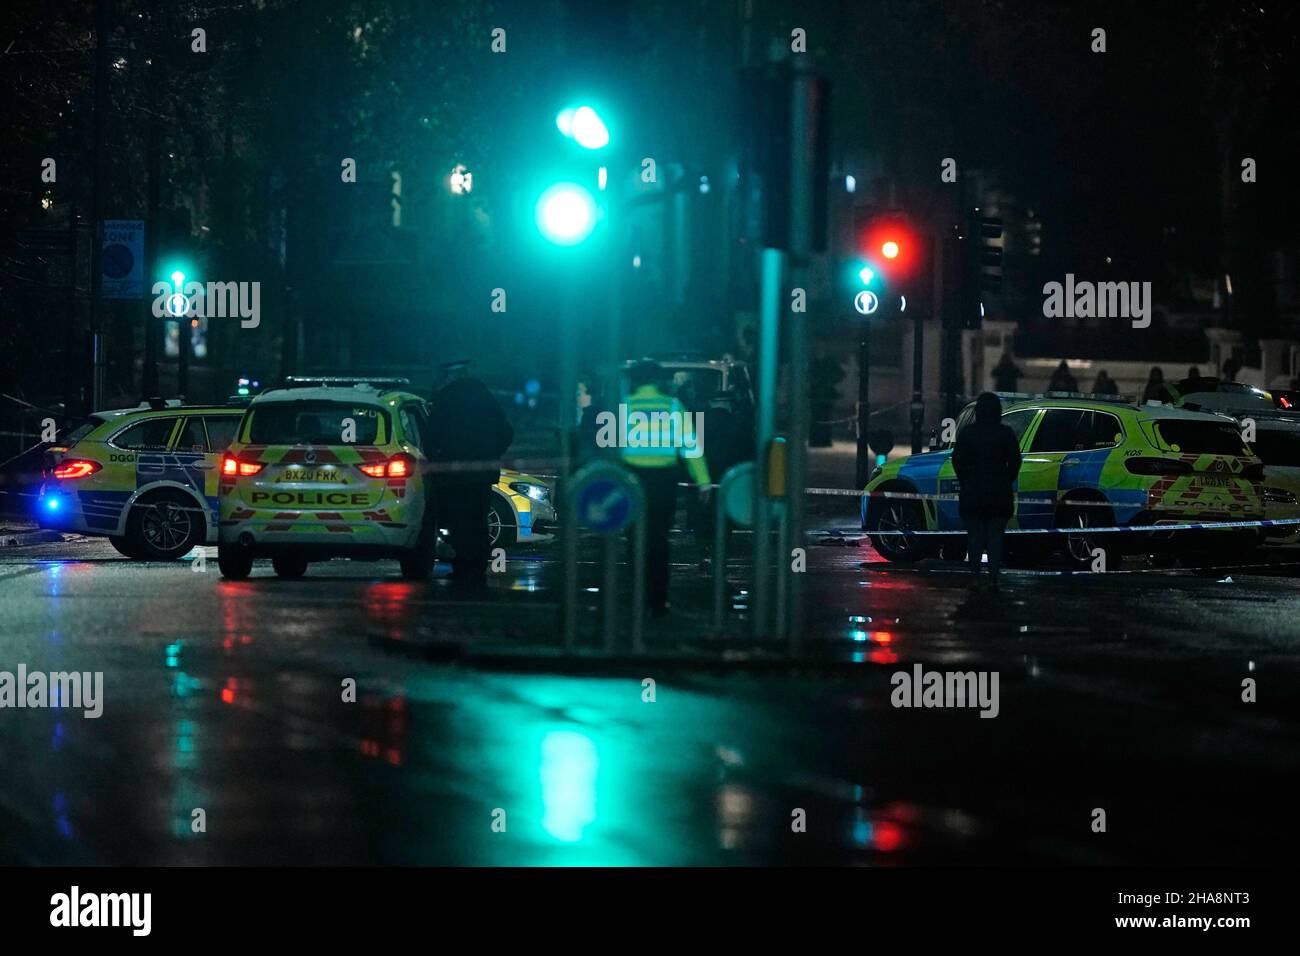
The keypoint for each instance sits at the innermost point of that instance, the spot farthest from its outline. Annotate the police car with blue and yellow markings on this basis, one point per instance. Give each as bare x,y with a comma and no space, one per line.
145,477
1086,462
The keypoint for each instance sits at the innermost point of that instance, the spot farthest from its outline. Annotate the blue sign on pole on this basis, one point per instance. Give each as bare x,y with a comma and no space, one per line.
606,498
122,258
605,506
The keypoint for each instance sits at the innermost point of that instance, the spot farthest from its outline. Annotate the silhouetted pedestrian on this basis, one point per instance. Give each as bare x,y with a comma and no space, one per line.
1155,387
1006,374
987,462
1104,385
1062,379
468,434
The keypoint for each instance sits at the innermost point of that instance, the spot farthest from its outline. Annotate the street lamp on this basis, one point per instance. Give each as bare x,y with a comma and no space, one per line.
461,180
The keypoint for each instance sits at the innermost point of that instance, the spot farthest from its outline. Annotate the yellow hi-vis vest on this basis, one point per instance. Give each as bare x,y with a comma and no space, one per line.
666,433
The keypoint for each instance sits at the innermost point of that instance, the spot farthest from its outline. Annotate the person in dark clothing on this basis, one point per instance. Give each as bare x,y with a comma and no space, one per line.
729,442
1104,384
1006,374
468,434
1062,379
1155,387
987,462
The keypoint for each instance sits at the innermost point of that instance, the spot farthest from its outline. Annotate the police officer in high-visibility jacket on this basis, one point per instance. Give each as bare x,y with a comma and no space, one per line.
656,432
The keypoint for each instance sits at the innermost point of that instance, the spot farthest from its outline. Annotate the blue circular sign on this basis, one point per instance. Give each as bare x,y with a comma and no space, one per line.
117,261
605,505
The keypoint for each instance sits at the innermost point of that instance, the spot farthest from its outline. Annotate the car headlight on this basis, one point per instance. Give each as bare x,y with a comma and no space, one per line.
528,490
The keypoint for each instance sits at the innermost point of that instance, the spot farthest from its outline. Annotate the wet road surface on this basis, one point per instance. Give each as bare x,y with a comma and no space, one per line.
1118,691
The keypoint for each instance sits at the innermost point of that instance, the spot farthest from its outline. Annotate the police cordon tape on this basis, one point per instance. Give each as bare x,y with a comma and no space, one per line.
1113,529
521,464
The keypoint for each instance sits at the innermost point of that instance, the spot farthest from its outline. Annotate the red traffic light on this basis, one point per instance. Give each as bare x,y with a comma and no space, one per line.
890,241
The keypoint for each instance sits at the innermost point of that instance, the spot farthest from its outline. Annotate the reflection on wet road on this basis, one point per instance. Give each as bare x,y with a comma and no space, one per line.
230,704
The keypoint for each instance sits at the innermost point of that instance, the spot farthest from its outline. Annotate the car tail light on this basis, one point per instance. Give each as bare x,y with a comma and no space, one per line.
76,468
1253,472
1157,466
399,466
232,467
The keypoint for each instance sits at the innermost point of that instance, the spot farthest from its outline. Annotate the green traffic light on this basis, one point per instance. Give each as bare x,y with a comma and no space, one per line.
866,275
566,214
583,125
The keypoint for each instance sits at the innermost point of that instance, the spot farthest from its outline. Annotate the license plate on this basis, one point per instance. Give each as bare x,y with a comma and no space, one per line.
1210,482
308,474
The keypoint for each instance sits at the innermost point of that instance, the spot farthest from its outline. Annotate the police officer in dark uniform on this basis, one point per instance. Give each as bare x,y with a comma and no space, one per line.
468,435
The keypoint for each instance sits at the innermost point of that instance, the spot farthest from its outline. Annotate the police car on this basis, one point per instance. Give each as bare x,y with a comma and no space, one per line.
327,468
522,509
1087,462
1271,423
145,477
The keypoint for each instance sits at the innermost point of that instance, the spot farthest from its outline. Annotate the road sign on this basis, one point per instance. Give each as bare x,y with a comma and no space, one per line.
122,259
737,494
606,497
866,302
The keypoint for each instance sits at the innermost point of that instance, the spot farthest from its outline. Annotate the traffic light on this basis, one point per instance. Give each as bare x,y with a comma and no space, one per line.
989,230
176,273
566,214
583,125
890,244
566,211
771,152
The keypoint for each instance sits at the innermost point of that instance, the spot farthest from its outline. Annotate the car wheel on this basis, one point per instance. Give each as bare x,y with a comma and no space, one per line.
1079,547
289,565
123,546
502,529
235,562
164,527
899,515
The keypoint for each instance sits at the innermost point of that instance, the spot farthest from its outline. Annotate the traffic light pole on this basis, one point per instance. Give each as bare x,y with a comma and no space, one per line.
918,370
769,326
806,112
863,468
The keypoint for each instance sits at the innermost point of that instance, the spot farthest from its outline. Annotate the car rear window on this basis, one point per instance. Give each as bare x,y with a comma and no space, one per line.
316,423
1201,438
152,434
81,431
221,430
1278,448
